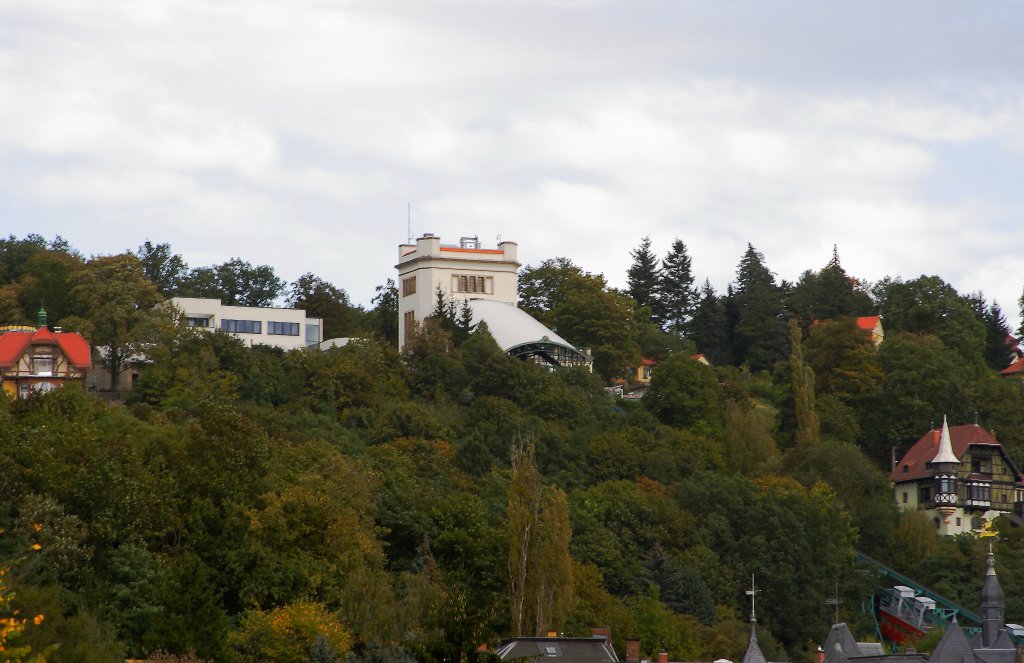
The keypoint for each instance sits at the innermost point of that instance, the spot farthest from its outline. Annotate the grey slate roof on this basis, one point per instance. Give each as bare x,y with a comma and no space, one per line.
562,650
753,653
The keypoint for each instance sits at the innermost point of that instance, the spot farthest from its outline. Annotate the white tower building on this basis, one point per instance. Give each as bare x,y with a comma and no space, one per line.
462,271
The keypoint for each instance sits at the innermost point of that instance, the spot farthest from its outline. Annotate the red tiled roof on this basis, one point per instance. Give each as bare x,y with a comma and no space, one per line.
868,322
13,345
1014,368
919,455
649,362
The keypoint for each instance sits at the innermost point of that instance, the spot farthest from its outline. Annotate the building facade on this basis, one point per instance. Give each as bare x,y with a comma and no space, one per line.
285,328
960,476
461,271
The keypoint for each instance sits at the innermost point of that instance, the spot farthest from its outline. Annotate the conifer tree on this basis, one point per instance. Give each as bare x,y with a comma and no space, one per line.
1020,303
643,279
997,349
676,295
708,327
759,338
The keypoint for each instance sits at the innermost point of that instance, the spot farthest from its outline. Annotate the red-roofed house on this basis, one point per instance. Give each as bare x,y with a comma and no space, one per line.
873,325
40,360
961,476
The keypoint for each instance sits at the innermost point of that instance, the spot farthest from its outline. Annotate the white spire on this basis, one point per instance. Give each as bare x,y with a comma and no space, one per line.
945,453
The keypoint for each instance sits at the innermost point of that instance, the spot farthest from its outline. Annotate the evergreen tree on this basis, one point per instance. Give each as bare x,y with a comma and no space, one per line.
643,279
759,334
997,331
676,295
1020,303
828,294
708,327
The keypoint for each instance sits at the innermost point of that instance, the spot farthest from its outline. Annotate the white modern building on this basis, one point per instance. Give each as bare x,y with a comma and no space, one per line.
286,328
488,279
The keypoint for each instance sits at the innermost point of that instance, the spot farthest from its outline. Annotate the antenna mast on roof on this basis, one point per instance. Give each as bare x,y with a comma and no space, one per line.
408,222
835,601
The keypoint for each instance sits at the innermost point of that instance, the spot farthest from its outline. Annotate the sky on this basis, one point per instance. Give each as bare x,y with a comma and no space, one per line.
312,135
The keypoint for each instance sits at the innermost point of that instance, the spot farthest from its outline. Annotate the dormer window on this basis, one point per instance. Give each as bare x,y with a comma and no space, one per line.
906,468
42,363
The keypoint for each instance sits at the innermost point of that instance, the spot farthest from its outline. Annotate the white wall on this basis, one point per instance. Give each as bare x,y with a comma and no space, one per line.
215,313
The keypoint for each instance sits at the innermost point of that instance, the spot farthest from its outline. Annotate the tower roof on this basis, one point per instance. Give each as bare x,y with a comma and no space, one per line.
945,453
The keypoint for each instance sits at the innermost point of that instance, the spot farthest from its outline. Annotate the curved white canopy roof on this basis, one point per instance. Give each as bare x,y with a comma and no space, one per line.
512,327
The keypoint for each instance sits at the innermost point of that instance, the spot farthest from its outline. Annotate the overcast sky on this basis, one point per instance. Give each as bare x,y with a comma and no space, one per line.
295,133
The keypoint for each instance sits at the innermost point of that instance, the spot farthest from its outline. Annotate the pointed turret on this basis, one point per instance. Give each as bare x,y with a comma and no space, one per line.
753,653
991,605
945,453
945,464
41,318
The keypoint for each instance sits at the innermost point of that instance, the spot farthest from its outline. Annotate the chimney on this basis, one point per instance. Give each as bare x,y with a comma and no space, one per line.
603,632
663,657
819,655
632,650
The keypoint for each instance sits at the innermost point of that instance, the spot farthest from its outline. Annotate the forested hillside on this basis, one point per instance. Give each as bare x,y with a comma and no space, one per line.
247,504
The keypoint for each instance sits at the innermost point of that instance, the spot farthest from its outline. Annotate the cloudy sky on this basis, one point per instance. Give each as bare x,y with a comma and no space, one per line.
296,133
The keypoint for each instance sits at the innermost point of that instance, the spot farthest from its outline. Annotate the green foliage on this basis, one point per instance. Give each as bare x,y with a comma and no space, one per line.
321,299
759,337
676,294
164,269
119,312
685,393
643,279
235,282
929,305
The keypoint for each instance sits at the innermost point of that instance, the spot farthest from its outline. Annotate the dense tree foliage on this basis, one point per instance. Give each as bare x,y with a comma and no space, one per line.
357,504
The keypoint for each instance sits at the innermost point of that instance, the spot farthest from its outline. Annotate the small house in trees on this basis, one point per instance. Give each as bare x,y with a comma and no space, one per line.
873,325
961,476
35,359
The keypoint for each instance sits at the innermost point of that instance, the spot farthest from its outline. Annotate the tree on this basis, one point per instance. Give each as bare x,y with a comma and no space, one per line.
827,294
643,279
684,393
120,313
708,326
808,428
582,309
929,305
540,568
997,335
321,299
759,336
676,294
383,317
287,634
590,315
748,445
165,269
543,286
235,282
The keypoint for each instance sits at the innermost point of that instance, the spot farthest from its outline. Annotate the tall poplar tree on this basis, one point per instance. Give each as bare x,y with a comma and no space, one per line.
808,427
540,567
759,338
676,294
643,279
